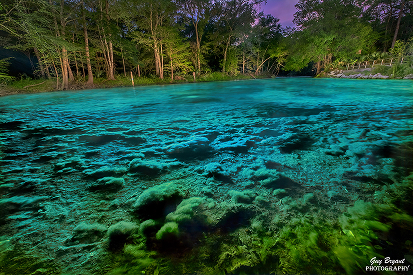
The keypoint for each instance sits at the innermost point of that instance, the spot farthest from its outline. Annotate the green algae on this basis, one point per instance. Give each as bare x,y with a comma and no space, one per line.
313,243
15,260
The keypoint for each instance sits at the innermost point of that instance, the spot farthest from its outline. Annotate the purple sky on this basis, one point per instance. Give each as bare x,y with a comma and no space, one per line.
281,9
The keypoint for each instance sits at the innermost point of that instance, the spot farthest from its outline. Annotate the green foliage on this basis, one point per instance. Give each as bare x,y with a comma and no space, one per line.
381,69
16,260
332,30
231,63
4,78
306,246
219,76
134,259
399,49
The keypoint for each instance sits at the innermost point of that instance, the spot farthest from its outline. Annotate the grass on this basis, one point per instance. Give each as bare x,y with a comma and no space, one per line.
28,85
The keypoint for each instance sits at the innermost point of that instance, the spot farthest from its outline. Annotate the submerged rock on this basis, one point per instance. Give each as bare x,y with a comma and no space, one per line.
158,201
86,233
120,233
107,184
152,167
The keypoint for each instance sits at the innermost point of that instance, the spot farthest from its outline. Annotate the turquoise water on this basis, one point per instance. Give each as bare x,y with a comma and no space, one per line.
198,178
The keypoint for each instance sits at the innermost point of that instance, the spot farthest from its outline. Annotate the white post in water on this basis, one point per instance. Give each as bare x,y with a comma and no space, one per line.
131,75
193,73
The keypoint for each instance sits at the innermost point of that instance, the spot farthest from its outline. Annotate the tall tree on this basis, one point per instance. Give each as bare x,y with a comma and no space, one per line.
233,20
330,29
153,17
87,52
198,13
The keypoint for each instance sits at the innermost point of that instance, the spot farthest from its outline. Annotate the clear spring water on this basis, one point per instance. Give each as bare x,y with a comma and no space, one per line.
256,153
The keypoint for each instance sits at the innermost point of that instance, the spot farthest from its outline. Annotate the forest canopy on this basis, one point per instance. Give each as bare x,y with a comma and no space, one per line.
79,40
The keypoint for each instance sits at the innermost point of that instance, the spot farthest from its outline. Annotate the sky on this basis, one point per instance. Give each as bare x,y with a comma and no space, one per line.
281,9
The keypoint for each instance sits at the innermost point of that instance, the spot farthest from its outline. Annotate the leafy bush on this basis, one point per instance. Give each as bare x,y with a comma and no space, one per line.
4,78
381,69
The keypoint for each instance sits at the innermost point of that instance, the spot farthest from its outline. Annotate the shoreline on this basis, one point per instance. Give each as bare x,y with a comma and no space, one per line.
45,86
49,85
364,73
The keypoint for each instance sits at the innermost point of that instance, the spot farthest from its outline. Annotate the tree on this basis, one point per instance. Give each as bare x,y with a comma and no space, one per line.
232,21
89,65
392,19
153,17
177,52
330,29
197,12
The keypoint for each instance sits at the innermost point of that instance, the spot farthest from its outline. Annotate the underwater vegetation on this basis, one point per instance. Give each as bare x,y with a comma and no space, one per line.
309,244
216,179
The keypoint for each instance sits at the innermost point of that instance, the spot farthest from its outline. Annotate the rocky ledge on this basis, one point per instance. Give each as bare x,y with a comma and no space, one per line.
341,74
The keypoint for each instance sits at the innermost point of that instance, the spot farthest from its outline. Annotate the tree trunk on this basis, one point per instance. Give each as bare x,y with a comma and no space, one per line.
69,70
77,67
318,67
260,66
157,60
123,62
396,32
110,53
243,62
198,47
172,71
83,70
111,62
36,51
89,66
161,65
224,64
57,76
65,83
64,60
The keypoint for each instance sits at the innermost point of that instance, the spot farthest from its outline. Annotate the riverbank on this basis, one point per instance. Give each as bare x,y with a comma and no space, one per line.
30,86
364,73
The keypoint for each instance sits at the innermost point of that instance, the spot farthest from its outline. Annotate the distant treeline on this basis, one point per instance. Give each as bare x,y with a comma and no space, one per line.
77,40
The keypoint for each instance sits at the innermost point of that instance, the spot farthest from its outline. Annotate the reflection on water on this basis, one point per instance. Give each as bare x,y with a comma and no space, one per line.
272,176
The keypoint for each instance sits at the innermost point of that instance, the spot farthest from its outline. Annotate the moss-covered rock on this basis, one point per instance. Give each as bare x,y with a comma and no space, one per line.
88,233
158,201
168,230
107,184
246,196
105,171
152,167
120,233
149,228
